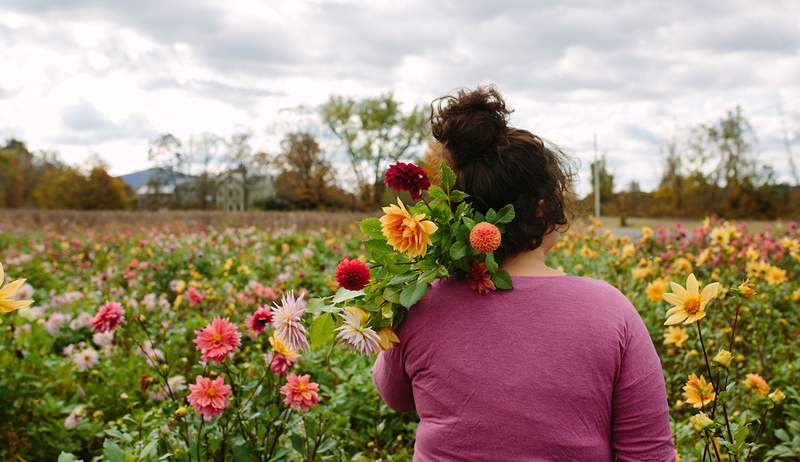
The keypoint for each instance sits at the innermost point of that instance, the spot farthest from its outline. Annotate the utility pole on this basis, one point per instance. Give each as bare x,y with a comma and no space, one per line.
788,145
596,180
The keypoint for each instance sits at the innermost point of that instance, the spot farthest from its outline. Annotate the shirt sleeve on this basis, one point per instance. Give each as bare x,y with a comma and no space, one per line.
640,421
392,381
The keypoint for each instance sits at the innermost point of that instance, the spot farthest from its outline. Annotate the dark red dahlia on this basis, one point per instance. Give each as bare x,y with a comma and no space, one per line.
479,278
407,177
258,321
352,274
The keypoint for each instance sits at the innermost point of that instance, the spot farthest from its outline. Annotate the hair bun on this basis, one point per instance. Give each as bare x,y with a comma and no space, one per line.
470,124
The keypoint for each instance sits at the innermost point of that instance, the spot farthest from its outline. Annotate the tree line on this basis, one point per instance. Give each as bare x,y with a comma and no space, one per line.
715,170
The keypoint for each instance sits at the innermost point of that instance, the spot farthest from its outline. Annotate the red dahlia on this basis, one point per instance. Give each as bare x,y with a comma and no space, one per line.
352,274
479,278
407,177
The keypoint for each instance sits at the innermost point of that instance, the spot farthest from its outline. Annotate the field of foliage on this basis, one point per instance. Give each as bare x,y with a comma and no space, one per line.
105,364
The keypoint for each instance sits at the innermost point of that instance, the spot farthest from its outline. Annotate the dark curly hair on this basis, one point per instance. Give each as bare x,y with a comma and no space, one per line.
497,165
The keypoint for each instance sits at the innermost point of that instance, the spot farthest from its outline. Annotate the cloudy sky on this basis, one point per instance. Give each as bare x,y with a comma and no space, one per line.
106,76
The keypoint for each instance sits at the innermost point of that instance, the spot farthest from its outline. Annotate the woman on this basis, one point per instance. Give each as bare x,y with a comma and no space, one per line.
559,368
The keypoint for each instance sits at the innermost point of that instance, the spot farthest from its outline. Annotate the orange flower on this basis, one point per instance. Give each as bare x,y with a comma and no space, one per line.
406,233
757,383
698,392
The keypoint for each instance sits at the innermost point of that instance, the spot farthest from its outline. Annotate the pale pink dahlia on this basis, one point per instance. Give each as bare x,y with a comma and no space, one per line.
299,392
108,317
217,340
288,321
209,397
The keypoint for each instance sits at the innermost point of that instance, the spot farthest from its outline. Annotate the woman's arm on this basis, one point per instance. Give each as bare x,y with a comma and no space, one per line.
390,378
640,428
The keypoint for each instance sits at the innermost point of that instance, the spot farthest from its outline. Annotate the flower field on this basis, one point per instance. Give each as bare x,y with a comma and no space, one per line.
202,343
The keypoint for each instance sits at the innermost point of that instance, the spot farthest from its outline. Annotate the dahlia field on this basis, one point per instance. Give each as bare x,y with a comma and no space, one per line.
195,343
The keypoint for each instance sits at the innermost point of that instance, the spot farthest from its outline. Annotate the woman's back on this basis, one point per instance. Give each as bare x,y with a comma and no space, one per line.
559,368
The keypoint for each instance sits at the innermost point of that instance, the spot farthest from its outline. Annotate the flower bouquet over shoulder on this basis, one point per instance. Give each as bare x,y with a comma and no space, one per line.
407,249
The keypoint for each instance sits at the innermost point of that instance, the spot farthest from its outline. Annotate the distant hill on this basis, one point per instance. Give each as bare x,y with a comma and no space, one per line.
165,176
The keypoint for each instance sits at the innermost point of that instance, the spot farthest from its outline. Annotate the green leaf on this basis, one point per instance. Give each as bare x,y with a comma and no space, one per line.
402,278
502,280
392,294
371,227
66,457
112,452
428,276
377,247
448,178
491,264
469,222
505,215
298,443
458,250
458,196
437,193
321,331
412,293
342,295
491,216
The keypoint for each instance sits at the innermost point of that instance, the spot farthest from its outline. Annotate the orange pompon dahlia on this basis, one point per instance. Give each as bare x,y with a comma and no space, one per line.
484,237
407,233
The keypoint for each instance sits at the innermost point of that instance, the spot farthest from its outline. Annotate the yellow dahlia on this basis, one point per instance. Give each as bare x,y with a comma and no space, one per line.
655,290
689,304
406,233
7,292
675,336
698,392
757,383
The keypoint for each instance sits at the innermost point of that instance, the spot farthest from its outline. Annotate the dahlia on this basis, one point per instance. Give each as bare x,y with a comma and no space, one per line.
194,297
689,304
108,317
258,321
299,392
698,392
8,301
407,177
406,233
479,278
288,321
282,358
352,274
484,237
354,333
757,383
217,340
675,336
209,397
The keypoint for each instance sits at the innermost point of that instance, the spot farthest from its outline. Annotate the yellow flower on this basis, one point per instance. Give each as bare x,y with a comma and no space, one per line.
646,233
698,392
747,289
388,338
757,383
777,396
675,335
655,290
775,275
586,252
683,265
628,250
700,421
796,296
689,304
406,233
752,253
7,291
723,358
282,349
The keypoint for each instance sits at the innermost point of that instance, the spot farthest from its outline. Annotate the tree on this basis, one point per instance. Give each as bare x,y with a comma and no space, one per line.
305,173
204,151
243,160
606,182
104,192
374,132
167,152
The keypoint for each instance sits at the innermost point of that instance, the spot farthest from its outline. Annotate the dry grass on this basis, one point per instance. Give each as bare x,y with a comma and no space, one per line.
75,220
752,225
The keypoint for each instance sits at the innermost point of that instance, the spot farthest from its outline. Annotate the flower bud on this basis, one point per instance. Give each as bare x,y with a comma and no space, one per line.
777,396
747,289
700,421
723,358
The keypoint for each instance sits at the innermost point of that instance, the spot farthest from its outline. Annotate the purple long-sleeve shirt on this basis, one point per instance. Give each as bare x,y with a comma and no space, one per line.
559,368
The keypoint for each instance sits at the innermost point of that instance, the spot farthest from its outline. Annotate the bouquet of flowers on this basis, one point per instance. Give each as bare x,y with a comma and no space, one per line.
409,248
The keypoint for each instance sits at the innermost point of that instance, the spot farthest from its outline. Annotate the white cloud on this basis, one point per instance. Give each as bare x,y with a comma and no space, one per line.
97,76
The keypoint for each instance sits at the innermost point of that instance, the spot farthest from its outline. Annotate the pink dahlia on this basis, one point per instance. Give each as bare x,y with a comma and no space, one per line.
108,317
407,177
299,392
288,321
258,321
352,274
195,298
209,397
217,340
479,278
